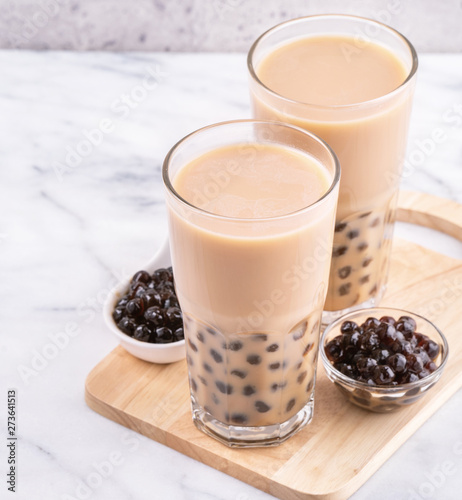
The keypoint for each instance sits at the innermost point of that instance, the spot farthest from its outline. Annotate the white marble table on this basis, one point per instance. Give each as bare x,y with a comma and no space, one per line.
71,226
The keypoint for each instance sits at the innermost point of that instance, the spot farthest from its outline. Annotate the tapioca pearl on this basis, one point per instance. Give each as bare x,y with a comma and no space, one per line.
202,379
189,360
215,399
216,356
339,251
239,418
340,226
274,366
262,407
344,289
299,331
193,385
200,337
239,373
373,290
272,348
364,279
235,345
274,387
248,390
298,366
308,348
315,328
366,261
207,368
365,214
253,359
344,272
224,388
290,404
302,377
309,387
375,222
362,246
192,345
354,233
260,337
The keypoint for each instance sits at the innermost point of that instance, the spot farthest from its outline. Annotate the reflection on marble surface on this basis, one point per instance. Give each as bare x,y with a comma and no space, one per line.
84,136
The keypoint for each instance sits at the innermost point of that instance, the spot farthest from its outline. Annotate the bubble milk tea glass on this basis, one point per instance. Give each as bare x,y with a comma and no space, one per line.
350,81
251,209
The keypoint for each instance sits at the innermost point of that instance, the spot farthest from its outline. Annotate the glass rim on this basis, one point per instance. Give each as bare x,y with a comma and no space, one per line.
169,186
384,388
254,76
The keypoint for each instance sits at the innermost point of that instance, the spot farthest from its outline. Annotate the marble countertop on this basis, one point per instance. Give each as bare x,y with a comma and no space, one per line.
84,135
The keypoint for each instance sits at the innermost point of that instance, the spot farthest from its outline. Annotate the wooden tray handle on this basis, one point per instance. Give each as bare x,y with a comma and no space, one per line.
430,211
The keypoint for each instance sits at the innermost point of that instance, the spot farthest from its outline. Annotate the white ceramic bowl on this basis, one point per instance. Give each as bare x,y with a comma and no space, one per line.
155,353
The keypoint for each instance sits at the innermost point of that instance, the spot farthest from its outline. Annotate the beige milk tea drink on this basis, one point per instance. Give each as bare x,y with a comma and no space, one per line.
350,81
251,219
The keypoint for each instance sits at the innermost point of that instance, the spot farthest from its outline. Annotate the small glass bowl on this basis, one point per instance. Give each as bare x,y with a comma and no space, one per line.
384,398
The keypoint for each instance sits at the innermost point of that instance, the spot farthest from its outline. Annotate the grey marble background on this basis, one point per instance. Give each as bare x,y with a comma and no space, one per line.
206,25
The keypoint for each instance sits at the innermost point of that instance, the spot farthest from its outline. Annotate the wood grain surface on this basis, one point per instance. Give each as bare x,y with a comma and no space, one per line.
343,445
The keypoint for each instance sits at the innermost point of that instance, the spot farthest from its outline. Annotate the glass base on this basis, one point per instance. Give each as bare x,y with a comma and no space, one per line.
236,436
330,316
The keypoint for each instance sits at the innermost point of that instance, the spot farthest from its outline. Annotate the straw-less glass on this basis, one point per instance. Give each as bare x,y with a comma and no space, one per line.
251,291
369,138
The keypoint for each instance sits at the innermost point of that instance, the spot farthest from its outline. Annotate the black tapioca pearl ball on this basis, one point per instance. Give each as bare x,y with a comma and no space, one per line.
381,355
431,366
299,331
215,399
383,375
387,334
308,348
218,358
163,335
344,289
346,369
174,316
364,279
432,348
340,226
290,405
239,373
309,386
370,323
398,363
388,319
366,366
344,272
272,348
141,289
200,337
339,251
141,277
414,363
202,379
248,390
207,368
154,316
375,222
369,341
262,407
224,388
423,355
143,333
410,322
302,377
348,327
354,233
253,359
274,387
127,325
409,377
123,301
211,331
192,345
424,373
362,246
364,215
366,261
235,345
118,314
260,337
238,418
334,350
373,290
178,334
193,385
274,366
162,275
298,366
151,298
135,307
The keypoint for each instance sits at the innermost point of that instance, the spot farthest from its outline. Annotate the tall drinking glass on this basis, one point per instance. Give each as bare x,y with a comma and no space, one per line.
350,81
251,209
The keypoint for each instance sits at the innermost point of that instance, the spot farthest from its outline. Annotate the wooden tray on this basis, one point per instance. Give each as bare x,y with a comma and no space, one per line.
344,445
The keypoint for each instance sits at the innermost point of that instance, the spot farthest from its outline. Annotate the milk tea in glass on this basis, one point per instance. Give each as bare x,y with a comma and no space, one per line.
251,209
350,81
